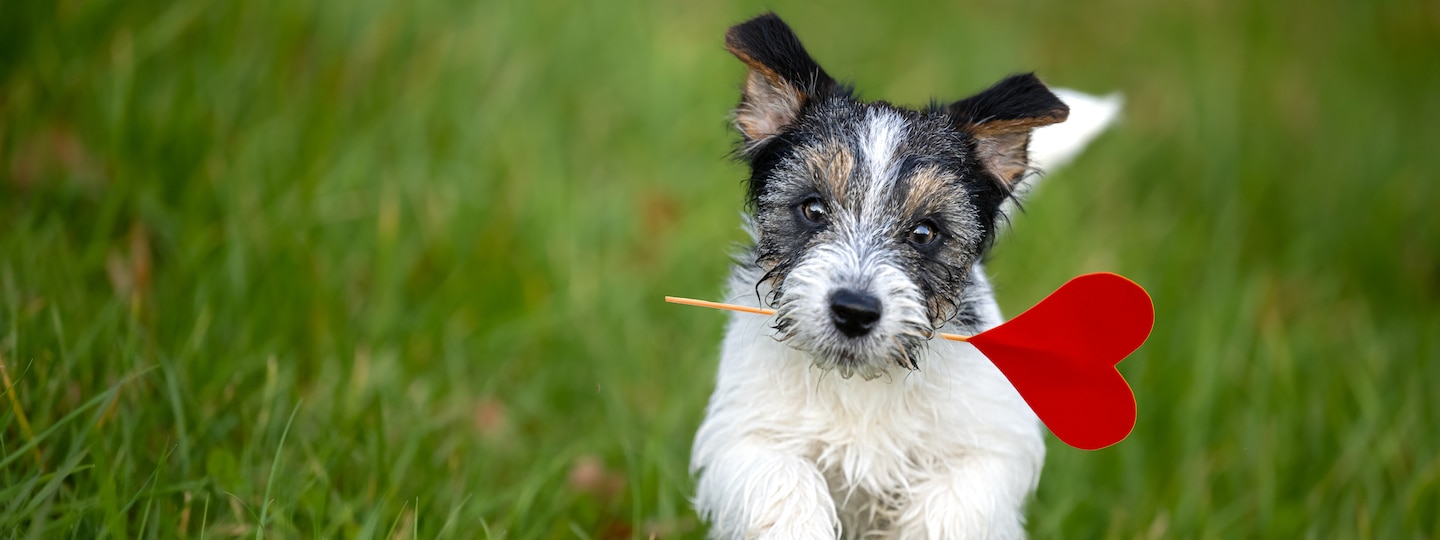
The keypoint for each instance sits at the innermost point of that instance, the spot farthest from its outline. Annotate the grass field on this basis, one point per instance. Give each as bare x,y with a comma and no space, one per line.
372,269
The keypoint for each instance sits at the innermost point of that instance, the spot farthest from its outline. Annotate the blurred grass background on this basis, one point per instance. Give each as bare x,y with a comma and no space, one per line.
373,269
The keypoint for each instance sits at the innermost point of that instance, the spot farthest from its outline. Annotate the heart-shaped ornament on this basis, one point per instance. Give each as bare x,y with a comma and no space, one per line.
1061,355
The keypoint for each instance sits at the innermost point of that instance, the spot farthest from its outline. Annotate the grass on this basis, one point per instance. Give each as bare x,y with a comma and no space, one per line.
393,270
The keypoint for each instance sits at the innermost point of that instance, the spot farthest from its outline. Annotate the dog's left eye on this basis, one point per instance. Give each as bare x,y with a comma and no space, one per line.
813,210
923,234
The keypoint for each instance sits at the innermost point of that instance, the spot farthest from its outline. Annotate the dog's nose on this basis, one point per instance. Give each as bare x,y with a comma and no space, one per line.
854,312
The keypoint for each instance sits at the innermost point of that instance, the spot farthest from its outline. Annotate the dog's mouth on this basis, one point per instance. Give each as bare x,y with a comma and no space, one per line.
870,356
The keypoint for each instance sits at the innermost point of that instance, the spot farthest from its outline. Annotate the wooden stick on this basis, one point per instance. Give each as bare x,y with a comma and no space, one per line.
762,311
718,305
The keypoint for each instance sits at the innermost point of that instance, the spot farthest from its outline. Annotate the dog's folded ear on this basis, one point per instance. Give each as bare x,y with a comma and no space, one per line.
782,77
1000,120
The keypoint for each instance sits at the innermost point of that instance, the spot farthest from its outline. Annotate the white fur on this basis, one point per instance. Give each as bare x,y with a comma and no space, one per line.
884,130
791,451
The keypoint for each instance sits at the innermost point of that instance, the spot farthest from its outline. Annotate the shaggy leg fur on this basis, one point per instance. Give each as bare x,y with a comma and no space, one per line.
769,495
975,499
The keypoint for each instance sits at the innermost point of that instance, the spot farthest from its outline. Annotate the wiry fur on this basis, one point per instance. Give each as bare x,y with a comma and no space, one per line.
930,441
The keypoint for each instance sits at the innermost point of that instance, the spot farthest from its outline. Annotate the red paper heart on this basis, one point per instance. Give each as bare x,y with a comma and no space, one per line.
1061,355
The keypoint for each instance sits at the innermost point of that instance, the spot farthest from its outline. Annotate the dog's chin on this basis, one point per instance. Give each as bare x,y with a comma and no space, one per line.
869,364
849,366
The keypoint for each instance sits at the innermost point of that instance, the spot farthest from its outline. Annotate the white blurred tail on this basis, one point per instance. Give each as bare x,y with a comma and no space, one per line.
1055,145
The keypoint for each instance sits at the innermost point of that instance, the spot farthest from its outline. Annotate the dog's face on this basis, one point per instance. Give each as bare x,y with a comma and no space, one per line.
869,216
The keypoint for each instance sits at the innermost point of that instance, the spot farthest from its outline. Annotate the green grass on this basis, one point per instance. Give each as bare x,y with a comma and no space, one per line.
394,270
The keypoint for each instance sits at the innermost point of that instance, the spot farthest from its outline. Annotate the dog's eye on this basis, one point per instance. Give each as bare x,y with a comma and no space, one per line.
923,234
812,210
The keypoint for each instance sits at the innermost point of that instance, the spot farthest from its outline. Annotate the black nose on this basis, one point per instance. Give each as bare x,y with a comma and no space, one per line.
853,312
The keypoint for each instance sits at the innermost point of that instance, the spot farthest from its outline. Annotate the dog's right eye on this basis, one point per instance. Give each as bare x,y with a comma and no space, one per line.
811,210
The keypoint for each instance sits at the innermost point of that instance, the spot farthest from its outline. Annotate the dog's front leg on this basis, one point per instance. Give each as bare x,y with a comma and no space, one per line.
982,497
749,491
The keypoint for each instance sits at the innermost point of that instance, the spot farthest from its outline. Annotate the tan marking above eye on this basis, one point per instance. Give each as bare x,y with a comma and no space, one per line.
831,167
927,185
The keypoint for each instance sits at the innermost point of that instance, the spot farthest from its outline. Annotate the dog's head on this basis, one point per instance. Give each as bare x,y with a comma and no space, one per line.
869,216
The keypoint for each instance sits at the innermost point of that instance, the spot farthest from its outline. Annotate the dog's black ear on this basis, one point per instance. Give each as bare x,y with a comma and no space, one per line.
1000,120
782,78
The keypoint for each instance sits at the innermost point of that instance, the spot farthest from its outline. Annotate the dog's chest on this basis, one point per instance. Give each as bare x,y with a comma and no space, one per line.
875,436
875,441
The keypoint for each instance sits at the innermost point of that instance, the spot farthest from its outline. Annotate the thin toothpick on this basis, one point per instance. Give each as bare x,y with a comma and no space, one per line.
762,311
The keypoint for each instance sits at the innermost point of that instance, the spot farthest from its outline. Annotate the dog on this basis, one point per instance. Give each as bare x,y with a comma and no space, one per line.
840,416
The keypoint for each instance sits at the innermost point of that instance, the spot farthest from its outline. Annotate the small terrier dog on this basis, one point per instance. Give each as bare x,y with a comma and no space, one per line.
869,225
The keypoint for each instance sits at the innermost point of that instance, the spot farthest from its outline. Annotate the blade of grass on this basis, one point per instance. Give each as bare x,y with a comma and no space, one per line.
274,471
